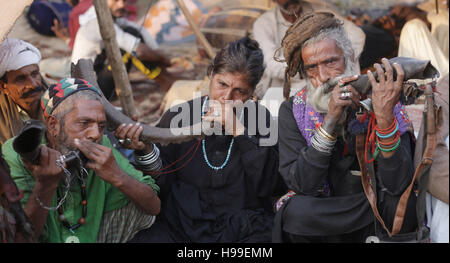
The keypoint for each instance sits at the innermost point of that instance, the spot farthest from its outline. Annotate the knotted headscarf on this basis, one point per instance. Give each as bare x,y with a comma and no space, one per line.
306,27
16,53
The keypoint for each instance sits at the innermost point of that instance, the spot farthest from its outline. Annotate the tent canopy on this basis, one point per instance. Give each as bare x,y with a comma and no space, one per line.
9,12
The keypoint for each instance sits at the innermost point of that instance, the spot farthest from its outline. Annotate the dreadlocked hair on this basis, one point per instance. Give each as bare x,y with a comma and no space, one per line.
306,27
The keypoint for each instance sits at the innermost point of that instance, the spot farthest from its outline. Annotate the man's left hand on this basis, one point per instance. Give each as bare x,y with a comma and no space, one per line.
386,92
101,160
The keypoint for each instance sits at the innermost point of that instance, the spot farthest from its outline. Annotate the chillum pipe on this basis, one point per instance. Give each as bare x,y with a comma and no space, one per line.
413,68
28,143
84,70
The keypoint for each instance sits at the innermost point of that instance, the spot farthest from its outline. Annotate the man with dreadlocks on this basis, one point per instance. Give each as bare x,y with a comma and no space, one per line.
317,141
270,28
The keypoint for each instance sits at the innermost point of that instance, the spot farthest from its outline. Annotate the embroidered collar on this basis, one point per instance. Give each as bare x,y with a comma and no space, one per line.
308,120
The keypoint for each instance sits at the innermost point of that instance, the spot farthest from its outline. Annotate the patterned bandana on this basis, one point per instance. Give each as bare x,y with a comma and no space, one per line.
60,91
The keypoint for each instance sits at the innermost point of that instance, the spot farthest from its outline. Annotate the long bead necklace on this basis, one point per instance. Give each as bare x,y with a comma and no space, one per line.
204,145
82,219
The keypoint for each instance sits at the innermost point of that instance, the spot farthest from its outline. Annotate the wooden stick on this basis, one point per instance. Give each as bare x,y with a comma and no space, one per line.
197,32
120,75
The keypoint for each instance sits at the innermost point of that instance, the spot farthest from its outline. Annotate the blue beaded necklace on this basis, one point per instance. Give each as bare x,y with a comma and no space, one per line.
204,147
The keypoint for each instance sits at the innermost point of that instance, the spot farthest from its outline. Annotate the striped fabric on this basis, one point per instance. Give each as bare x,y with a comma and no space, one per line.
120,225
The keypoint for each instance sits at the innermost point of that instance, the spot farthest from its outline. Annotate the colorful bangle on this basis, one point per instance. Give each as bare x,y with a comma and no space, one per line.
391,141
385,136
389,149
389,129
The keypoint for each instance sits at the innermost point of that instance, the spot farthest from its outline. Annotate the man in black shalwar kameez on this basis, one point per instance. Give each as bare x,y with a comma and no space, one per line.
317,131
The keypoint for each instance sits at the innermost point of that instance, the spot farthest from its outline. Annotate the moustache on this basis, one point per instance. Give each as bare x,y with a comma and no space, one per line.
31,92
328,86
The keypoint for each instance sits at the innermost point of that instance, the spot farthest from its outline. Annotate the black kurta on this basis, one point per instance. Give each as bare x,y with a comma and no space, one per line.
200,204
345,209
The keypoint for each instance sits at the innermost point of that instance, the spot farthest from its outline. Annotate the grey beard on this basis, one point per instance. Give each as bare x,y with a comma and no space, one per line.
65,147
319,97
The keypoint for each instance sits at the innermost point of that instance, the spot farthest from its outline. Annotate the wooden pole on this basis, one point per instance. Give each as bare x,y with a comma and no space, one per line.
197,32
120,75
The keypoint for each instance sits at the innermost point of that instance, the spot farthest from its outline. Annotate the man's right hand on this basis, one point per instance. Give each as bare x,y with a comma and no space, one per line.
47,175
46,172
338,104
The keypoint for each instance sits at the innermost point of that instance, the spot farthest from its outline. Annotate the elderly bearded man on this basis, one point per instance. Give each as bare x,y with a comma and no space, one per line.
107,200
270,28
317,131
21,86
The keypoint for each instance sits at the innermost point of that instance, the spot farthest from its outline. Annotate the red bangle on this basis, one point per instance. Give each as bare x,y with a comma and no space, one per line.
387,130
389,142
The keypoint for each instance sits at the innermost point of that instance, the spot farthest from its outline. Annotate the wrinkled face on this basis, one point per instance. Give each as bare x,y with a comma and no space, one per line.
117,7
229,86
323,61
87,120
24,87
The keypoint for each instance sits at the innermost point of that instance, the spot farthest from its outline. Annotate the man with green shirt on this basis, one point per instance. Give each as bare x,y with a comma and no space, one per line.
104,200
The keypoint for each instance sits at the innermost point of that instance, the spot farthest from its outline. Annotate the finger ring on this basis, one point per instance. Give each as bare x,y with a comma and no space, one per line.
216,114
348,94
341,84
125,142
343,95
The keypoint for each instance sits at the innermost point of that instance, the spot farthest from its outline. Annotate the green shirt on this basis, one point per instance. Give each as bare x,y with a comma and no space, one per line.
101,197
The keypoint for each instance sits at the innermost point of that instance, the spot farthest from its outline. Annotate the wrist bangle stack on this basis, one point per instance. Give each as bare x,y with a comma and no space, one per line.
323,142
388,140
149,162
326,135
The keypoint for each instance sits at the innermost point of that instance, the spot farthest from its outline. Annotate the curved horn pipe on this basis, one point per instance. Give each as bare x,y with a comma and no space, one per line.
84,70
413,68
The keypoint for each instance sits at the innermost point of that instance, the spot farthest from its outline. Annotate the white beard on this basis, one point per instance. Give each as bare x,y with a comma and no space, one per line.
319,97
